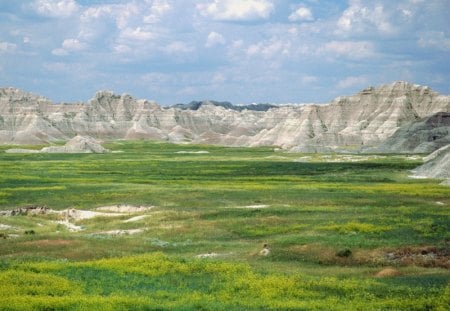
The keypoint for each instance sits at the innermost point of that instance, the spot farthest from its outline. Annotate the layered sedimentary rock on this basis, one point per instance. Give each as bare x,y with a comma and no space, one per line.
78,144
423,136
362,120
437,165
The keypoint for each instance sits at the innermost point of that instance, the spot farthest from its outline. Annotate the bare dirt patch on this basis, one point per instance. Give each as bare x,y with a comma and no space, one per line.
253,206
76,214
72,227
136,218
207,255
121,232
426,256
124,208
387,272
193,152
6,227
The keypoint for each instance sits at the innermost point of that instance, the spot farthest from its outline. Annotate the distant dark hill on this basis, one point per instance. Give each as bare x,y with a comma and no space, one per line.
195,105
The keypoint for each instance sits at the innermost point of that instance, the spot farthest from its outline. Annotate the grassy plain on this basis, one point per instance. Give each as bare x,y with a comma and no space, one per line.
332,222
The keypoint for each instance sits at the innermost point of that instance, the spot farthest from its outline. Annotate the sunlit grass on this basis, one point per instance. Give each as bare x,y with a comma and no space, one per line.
159,281
228,202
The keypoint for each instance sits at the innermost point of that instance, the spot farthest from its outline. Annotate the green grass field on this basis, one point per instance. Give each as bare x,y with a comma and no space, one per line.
345,232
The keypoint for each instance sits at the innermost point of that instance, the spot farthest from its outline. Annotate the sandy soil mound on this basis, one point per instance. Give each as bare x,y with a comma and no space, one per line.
124,208
76,214
122,232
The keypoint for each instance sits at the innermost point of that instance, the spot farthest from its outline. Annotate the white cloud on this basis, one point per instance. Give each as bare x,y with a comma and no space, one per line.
301,14
435,39
177,47
359,18
68,46
60,52
56,8
157,10
352,81
406,12
349,49
269,49
96,12
96,23
236,10
214,39
73,45
125,14
122,48
137,34
122,25
6,47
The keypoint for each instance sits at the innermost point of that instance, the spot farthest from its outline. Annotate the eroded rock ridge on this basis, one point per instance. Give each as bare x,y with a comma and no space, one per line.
362,120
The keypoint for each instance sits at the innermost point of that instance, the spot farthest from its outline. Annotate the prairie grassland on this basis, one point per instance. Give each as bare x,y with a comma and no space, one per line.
331,222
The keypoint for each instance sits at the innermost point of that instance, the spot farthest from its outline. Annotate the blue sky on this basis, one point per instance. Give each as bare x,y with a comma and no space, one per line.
243,51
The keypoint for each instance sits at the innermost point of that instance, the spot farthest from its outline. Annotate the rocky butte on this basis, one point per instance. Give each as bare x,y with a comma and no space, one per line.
398,117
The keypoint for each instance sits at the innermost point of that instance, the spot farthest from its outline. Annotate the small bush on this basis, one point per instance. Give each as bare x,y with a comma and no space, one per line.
344,253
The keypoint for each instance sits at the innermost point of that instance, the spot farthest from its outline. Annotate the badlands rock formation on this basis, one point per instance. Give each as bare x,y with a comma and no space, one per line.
423,136
362,120
78,144
437,165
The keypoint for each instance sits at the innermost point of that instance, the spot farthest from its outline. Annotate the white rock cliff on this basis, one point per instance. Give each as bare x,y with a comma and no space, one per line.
363,120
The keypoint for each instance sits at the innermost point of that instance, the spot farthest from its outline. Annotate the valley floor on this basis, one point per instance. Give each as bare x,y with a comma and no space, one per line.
164,226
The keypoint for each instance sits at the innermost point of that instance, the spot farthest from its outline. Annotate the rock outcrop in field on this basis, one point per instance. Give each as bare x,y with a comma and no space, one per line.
363,120
437,165
78,144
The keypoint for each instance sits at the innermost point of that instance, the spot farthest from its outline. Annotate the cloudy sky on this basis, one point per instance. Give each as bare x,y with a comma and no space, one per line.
242,51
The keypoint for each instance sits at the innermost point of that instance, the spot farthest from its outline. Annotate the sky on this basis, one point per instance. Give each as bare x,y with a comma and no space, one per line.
242,51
